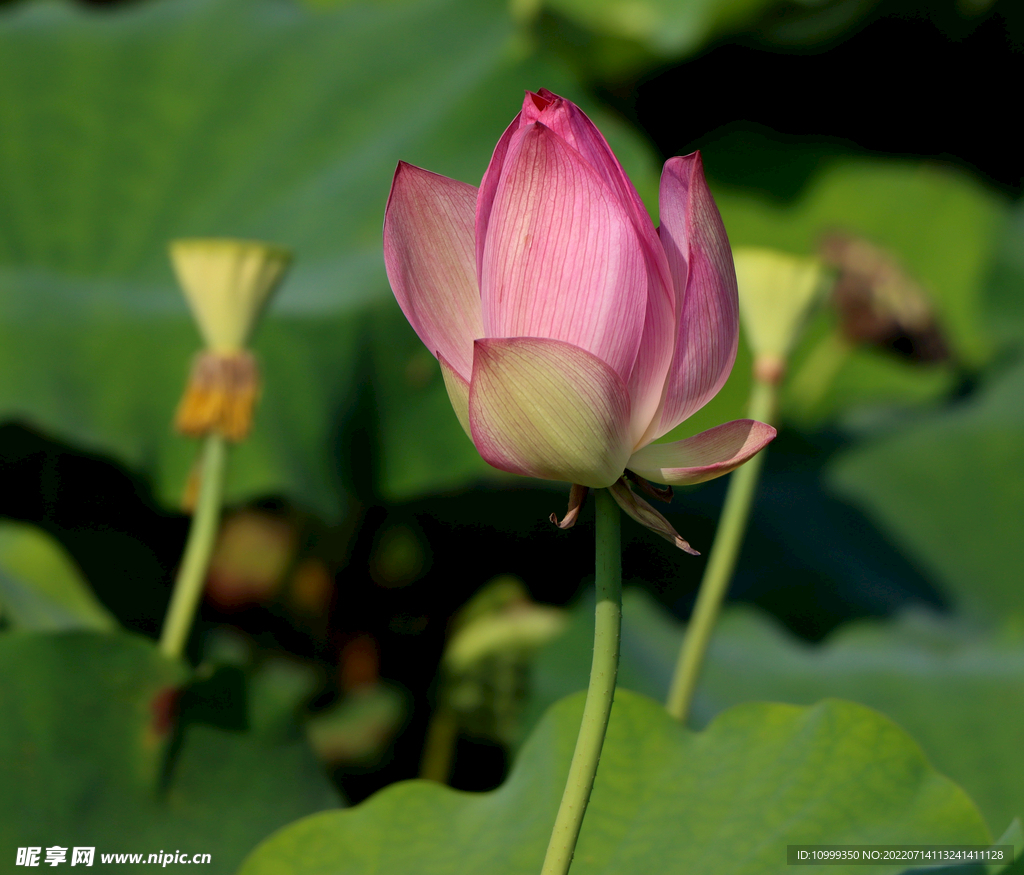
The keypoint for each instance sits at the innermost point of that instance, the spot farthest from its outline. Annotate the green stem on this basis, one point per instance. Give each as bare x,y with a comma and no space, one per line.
721,562
188,586
439,747
601,691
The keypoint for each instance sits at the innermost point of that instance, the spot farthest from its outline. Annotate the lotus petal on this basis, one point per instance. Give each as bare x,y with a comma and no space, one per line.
547,409
705,280
458,393
488,186
647,516
704,456
562,258
428,254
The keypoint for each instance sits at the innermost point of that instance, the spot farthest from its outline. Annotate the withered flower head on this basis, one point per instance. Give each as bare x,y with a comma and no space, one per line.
879,303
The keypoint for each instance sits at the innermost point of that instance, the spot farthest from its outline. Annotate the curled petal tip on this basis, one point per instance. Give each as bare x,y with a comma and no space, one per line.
684,545
577,496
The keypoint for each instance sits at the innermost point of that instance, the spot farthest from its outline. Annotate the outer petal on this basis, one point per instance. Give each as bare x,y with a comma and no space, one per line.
562,258
705,456
647,516
708,310
428,253
548,409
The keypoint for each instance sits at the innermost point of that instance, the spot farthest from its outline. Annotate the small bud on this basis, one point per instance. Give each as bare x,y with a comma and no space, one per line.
227,284
776,292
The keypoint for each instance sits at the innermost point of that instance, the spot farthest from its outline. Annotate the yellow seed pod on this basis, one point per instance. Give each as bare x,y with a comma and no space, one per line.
227,284
777,290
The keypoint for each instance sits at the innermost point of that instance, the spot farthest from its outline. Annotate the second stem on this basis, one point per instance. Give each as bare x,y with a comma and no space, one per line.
202,535
600,692
721,562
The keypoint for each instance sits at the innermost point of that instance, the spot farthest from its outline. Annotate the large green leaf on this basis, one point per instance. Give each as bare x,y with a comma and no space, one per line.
950,489
40,586
941,226
251,118
959,695
726,800
83,743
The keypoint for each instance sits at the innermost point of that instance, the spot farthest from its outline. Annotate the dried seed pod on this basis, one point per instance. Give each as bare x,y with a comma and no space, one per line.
879,303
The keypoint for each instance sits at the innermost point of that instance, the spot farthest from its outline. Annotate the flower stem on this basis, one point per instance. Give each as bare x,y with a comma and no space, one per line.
188,586
721,562
600,692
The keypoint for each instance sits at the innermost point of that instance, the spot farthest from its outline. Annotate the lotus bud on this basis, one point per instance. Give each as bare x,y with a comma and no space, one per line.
227,284
570,332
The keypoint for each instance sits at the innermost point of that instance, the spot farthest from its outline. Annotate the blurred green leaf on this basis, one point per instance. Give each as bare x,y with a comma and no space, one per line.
278,691
1013,835
359,728
666,27
1006,286
726,800
257,119
41,587
949,488
84,733
959,694
940,225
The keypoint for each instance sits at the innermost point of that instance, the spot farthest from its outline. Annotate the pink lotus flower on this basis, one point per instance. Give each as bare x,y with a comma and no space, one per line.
571,334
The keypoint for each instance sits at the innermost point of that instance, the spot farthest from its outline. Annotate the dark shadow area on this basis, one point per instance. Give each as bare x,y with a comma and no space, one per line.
911,78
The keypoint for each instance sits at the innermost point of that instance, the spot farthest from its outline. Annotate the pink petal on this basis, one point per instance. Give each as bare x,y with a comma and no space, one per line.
428,254
705,456
647,516
707,306
573,127
562,259
488,187
547,409
647,379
